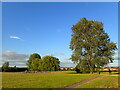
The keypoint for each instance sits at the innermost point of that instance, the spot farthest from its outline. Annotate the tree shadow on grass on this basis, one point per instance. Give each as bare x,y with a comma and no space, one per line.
76,73
115,72
112,73
71,73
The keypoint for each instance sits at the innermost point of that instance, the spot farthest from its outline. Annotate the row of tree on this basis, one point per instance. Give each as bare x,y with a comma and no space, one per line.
6,68
35,63
47,63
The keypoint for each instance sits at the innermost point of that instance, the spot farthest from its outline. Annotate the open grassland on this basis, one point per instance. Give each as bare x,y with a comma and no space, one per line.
102,82
57,79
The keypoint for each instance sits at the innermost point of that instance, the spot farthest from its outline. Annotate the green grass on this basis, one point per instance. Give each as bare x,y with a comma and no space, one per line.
58,79
102,82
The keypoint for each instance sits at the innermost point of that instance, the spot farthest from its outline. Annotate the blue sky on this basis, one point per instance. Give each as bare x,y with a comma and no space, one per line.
45,28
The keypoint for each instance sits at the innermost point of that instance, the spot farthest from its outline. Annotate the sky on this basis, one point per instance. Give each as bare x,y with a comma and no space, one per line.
45,28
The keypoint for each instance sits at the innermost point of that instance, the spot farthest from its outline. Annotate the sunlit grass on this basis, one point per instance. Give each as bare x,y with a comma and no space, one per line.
43,80
102,82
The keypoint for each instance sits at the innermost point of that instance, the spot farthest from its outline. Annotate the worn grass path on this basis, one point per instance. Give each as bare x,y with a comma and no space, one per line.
85,81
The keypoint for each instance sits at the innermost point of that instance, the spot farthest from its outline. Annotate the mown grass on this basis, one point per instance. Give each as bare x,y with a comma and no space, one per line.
102,82
58,79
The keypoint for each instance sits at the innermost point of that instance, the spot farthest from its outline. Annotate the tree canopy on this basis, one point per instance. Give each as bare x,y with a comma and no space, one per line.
47,63
50,63
5,66
91,45
33,61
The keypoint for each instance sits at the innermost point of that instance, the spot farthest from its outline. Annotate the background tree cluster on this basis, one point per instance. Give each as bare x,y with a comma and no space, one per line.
47,63
91,45
6,68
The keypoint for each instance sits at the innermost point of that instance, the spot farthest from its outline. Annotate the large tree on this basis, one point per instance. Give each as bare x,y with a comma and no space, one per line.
91,45
33,62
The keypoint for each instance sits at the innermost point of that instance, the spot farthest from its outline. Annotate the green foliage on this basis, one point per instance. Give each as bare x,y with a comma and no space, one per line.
50,63
5,66
15,68
90,44
83,67
33,61
35,64
47,63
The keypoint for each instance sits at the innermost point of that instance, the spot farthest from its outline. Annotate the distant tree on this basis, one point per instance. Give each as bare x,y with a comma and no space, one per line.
47,63
64,69
5,66
90,44
15,68
33,61
50,63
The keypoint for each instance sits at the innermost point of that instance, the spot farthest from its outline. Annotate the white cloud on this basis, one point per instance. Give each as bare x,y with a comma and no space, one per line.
15,37
14,58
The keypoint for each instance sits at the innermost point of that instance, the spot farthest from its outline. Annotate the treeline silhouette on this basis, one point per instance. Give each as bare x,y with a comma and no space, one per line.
14,69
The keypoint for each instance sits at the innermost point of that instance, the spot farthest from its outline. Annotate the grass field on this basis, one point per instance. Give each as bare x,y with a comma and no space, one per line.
42,80
102,82
59,79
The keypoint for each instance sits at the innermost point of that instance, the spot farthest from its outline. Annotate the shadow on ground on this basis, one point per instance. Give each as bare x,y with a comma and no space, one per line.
115,73
112,73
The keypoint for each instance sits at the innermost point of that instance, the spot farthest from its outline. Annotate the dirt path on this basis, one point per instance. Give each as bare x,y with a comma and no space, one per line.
82,82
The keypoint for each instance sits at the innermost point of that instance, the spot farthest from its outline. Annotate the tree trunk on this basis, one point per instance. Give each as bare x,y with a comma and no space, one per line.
91,70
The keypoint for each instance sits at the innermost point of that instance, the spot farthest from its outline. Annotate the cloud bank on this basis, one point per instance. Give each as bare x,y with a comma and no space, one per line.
14,58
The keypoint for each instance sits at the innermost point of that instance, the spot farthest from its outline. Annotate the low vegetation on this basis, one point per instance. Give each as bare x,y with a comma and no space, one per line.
103,82
58,79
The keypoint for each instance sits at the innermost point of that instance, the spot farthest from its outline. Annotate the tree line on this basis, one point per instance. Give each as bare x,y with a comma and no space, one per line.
36,63
6,68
